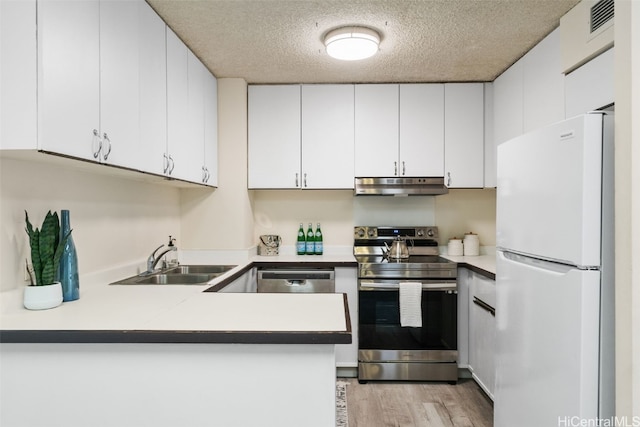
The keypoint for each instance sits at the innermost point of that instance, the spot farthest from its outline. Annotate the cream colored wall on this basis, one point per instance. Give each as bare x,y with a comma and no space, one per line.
280,212
115,221
222,219
627,207
464,211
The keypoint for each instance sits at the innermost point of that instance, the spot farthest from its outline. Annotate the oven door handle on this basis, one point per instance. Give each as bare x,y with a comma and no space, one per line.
376,286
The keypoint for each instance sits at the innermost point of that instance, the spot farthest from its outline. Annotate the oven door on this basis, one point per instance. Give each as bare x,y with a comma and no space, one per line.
381,338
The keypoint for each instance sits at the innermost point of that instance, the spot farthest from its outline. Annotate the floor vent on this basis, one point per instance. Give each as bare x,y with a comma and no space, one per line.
601,13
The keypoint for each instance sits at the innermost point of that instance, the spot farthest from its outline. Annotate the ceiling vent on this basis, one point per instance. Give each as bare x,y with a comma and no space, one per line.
601,13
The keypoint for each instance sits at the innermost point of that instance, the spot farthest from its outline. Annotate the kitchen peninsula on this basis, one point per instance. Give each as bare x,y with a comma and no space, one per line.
172,355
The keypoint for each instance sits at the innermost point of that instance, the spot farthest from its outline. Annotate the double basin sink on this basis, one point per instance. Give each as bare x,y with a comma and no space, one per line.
180,275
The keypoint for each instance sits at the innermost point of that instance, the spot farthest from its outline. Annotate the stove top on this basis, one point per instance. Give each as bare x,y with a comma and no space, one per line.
423,262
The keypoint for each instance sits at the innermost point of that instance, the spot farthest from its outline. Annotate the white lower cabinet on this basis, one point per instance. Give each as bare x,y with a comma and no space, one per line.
482,331
347,282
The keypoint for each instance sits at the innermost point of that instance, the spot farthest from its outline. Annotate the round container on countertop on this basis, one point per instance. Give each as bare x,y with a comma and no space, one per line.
454,247
471,244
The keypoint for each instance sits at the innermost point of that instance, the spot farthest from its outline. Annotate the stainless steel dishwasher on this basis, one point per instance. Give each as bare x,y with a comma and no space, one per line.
296,280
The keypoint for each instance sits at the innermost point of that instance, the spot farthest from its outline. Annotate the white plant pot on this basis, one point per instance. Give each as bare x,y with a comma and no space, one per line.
43,297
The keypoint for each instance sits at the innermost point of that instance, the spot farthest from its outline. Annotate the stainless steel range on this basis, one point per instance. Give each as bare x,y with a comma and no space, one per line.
387,350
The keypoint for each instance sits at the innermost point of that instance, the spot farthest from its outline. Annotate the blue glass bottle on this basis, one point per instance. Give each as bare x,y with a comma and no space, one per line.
68,267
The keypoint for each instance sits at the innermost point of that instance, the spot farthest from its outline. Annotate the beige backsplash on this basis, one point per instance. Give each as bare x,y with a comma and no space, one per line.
281,211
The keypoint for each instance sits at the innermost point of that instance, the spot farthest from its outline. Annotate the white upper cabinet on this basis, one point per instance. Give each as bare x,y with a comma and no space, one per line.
210,168
177,106
186,77
376,130
100,76
591,86
464,135
543,84
530,94
119,82
152,144
508,104
421,130
18,77
274,137
69,78
327,136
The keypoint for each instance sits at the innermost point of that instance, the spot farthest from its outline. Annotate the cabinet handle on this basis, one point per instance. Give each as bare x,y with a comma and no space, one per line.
96,152
204,174
477,301
296,179
172,163
108,141
448,179
395,168
165,163
404,169
305,179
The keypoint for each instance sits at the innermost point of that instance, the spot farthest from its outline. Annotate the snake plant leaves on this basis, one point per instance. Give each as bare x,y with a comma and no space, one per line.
46,248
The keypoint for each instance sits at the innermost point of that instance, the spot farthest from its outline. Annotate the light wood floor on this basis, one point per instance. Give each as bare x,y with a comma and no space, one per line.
389,404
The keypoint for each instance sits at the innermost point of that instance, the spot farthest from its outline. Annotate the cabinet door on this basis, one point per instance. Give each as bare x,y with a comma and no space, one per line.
507,104
543,84
591,86
210,129
189,156
119,82
421,130
69,77
177,107
482,331
18,78
153,91
274,136
464,135
376,130
327,136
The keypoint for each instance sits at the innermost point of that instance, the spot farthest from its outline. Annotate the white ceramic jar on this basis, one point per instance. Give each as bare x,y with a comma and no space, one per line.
454,248
471,244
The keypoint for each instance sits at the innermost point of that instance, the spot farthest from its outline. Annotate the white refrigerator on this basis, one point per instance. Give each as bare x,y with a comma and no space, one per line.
554,276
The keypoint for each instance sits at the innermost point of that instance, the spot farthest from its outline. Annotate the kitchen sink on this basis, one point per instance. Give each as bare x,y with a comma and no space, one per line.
176,279
181,275
200,269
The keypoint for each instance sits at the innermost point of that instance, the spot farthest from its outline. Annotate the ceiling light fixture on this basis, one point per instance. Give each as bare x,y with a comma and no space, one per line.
352,43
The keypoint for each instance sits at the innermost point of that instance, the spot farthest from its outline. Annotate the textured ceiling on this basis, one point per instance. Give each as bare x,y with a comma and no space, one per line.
280,41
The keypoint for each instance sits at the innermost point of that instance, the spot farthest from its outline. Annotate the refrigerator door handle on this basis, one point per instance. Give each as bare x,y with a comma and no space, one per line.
538,263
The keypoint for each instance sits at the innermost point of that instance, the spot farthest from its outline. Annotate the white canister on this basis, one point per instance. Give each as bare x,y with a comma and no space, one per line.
454,248
471,244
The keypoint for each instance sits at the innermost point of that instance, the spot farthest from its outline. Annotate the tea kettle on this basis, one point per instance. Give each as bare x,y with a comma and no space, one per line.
398,249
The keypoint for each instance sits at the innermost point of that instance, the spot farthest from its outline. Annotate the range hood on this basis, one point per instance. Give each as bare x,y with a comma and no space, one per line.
400,186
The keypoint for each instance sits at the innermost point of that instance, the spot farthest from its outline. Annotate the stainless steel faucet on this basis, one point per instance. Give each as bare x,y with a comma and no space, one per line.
152,261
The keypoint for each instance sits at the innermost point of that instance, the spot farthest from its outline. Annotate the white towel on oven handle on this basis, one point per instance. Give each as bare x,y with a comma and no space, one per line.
410,304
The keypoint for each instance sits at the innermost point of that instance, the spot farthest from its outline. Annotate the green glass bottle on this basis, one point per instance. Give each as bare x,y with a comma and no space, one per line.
301,245
310,247
318,241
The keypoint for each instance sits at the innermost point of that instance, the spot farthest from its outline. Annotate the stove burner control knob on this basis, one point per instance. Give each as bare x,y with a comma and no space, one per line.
360,232
430,233
420,232
372,232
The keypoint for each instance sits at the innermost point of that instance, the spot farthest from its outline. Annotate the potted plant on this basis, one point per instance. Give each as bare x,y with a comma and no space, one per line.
46,249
